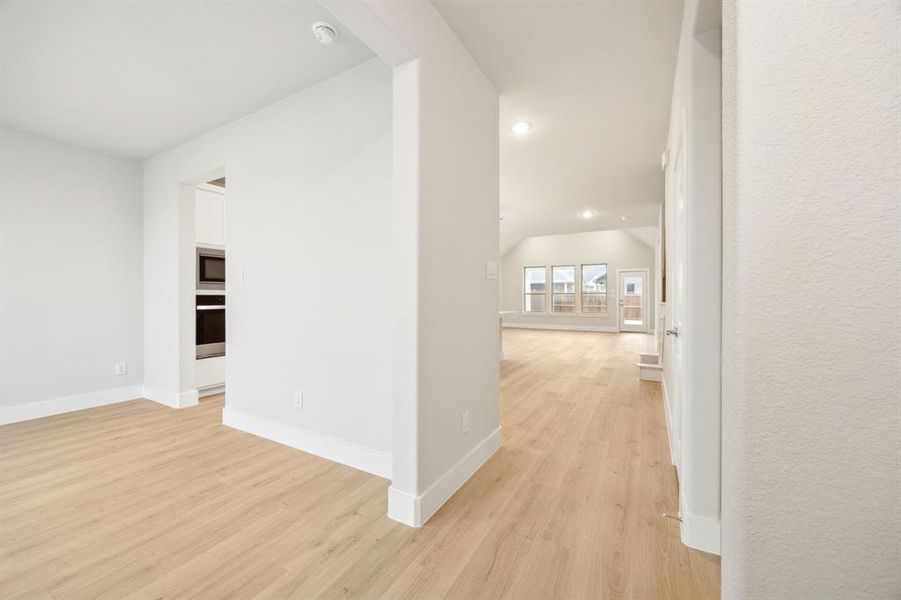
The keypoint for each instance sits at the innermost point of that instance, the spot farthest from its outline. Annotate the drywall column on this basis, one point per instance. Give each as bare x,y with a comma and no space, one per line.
811,344
446,410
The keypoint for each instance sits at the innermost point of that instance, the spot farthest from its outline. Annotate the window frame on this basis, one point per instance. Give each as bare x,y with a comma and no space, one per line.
525,269
582,291
574,293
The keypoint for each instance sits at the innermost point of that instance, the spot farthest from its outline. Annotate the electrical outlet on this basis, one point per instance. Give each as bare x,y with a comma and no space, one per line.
121,368
465,422
298,399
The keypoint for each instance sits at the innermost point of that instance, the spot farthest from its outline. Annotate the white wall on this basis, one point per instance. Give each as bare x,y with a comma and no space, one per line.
71,277
308,220
446,228
617,248
812,280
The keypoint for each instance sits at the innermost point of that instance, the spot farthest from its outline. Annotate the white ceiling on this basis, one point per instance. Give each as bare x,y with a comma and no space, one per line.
595,78
134,78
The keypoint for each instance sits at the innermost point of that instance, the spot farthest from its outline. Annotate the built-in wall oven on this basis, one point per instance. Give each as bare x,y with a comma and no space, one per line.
210,325
210,269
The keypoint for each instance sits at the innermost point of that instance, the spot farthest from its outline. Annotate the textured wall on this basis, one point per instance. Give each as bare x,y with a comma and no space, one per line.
811,412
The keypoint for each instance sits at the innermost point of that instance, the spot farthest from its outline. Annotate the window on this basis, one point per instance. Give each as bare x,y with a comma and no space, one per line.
534,290
594,289
564,291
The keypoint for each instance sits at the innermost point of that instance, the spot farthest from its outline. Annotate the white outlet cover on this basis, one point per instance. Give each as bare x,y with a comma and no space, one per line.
491,269
465,424
298,399
121,368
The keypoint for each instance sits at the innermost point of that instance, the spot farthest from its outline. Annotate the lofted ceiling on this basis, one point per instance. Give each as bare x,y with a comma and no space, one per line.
137,77
595,79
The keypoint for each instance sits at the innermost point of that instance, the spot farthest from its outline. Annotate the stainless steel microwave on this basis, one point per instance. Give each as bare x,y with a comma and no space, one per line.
210,269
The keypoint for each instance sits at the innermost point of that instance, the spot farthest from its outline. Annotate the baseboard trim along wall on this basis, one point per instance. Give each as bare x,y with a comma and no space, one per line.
171,398
67,404
701,533
415,511
561,327
347,453
211,391
669,428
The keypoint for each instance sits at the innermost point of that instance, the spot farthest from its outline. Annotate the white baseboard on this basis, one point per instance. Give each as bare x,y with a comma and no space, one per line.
650,372
171,398
210,390
701,533
58,406
415,511
673,451
346,453
561,327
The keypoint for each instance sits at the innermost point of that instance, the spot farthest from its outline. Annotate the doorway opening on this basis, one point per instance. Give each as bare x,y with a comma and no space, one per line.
209,293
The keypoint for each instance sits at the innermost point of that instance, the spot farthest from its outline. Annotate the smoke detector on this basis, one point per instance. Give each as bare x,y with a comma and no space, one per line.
324,32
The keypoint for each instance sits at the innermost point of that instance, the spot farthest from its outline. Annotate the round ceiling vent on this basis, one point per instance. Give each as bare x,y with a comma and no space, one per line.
324,32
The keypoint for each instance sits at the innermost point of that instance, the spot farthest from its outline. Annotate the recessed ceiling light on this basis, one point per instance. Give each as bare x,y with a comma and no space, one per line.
325,33
520,128
587,214
622,218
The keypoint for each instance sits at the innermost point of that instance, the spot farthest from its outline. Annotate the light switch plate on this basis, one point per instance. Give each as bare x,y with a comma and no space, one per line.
491,269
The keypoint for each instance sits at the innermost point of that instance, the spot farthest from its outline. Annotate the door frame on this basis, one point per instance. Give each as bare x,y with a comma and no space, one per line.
644,299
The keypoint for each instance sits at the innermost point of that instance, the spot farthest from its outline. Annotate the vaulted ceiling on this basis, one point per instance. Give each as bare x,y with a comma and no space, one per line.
595,79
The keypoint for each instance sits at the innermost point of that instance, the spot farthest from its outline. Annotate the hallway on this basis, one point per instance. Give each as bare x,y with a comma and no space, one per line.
135,500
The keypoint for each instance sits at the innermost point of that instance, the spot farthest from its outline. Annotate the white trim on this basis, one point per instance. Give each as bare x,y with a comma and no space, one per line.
577,297
415,511
171,398
561,327
701,533
404,507
645,305
66,404
208,187
525,293
650,372
211,390
669,428
347,453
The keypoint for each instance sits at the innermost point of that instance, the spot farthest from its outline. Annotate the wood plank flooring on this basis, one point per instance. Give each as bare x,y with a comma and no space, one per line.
139,501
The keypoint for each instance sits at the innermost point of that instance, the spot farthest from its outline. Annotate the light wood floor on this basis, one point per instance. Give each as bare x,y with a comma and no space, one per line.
136,500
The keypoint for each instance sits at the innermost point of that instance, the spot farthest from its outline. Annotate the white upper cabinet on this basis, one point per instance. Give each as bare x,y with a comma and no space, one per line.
209,218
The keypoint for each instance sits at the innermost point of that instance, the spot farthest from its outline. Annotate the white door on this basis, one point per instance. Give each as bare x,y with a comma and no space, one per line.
633,300
674,333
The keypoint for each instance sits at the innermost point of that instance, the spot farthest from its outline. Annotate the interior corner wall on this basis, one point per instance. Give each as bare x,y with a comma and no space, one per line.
308,221
70,293
812,279
616,248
